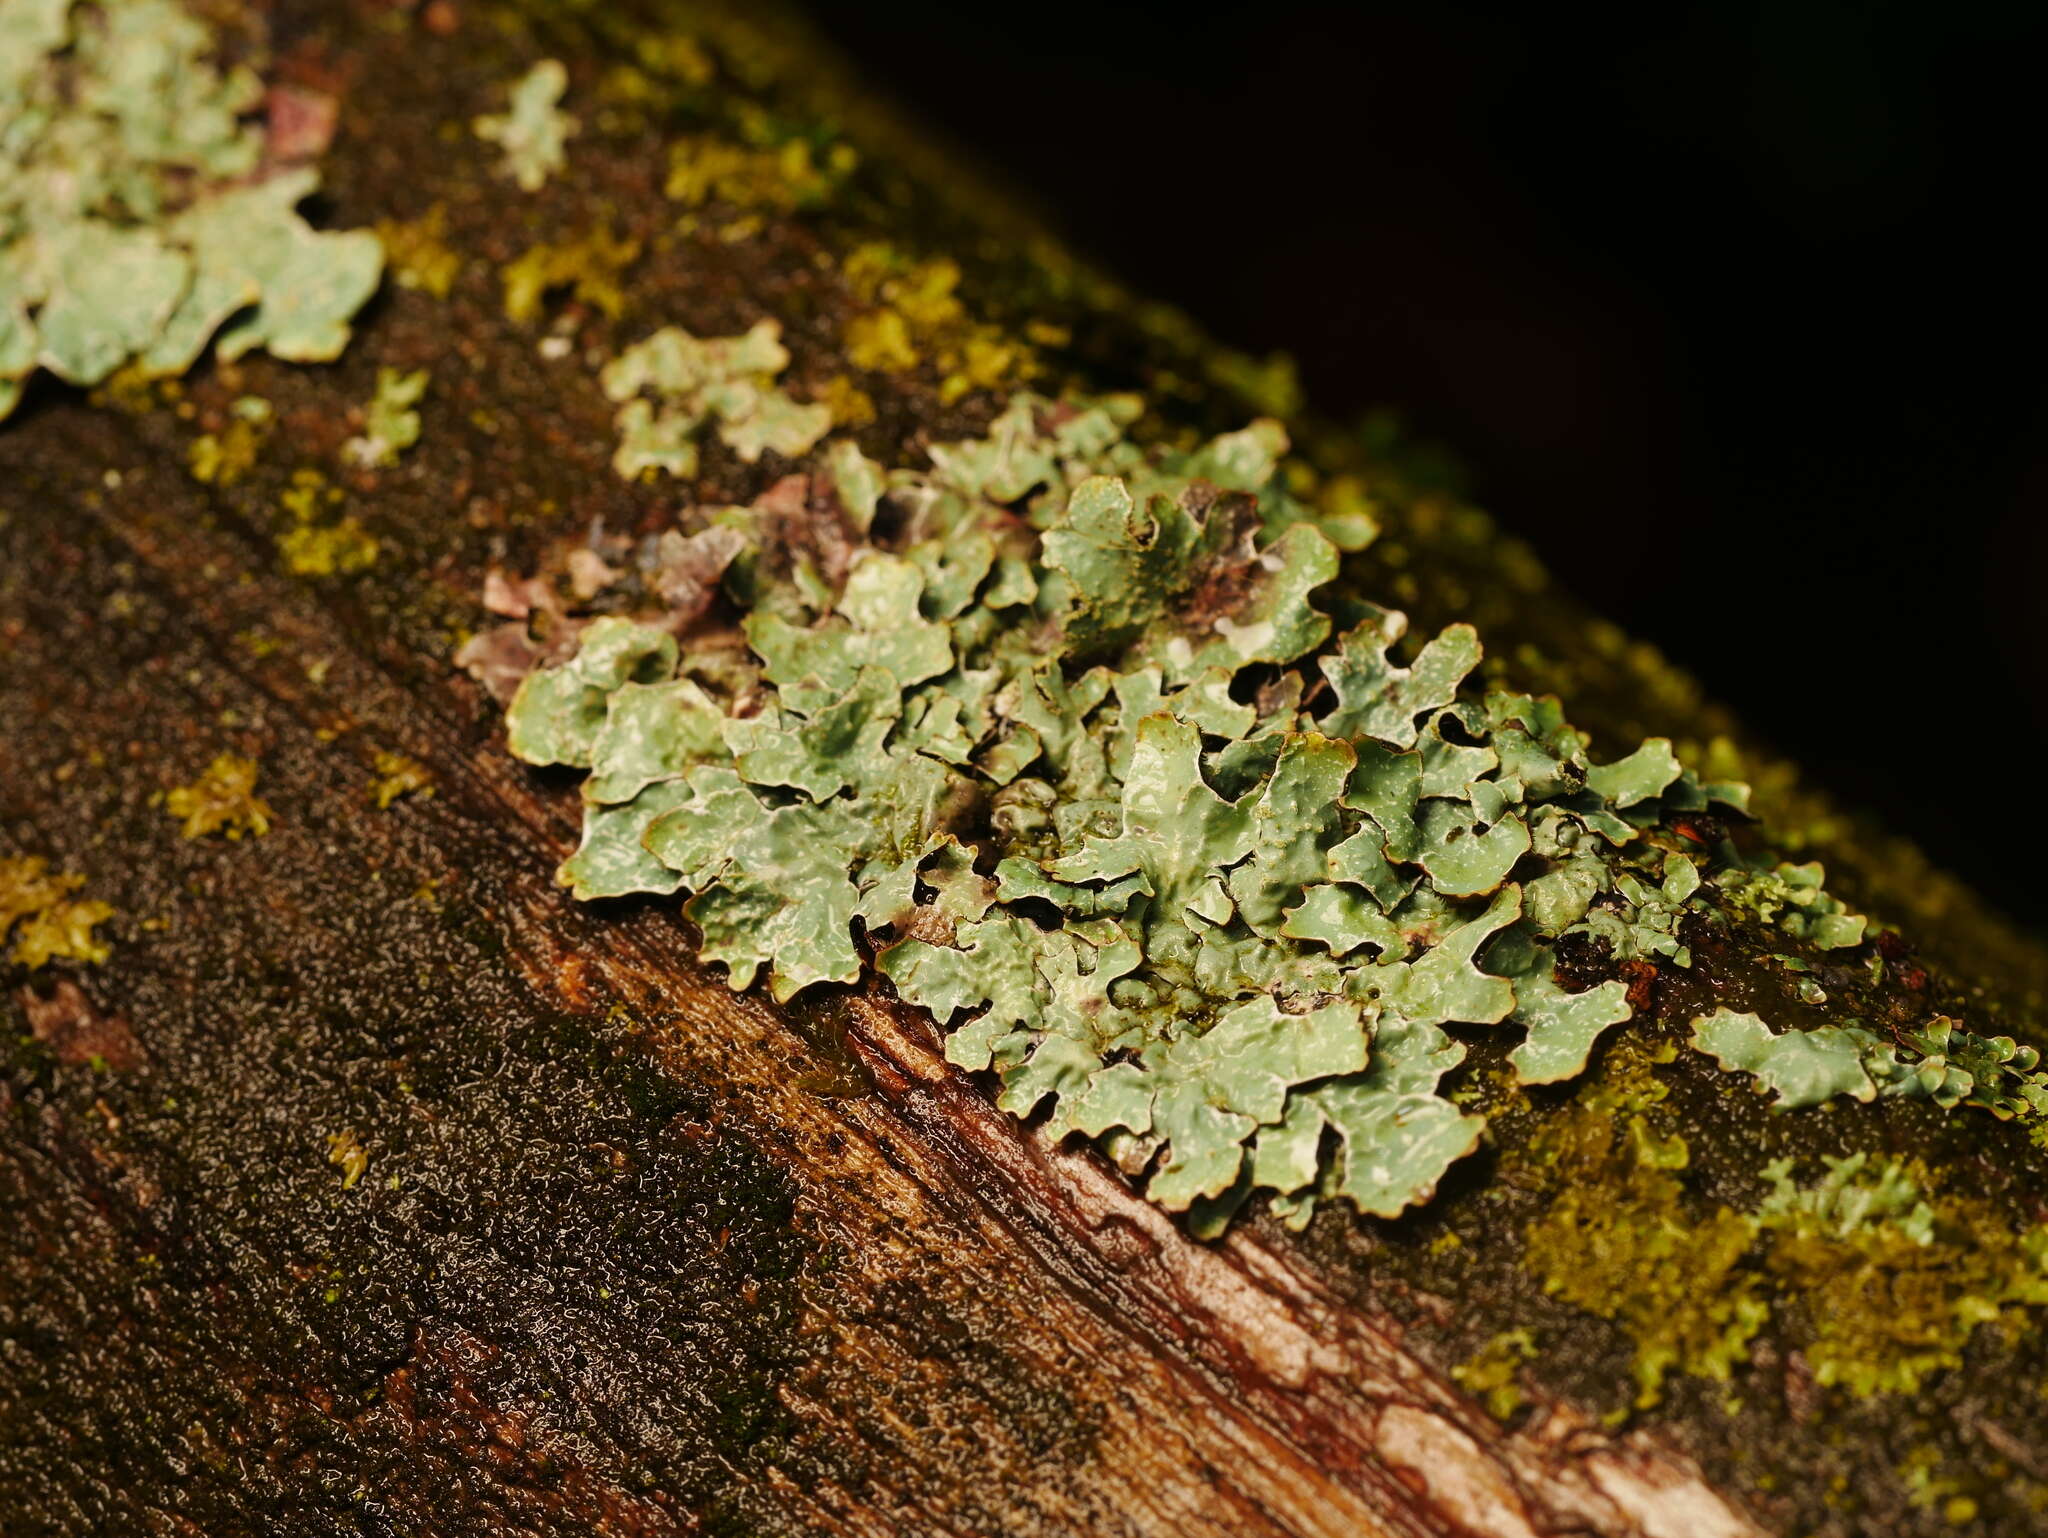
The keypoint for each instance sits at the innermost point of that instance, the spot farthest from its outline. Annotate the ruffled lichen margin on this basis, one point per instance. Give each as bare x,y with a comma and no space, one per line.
1079,746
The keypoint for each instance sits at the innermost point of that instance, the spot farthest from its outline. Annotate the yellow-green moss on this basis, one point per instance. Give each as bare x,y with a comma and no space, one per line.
221,459
1892,1295
1878,1279
318,544
346,1153
880,341
1931,1482
590,266
1621,1240
398,775
703,168
1491,1374
915,316
418,255
850,405
336,549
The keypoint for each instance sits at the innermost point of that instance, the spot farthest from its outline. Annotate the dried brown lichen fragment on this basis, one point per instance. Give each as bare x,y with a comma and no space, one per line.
69,1025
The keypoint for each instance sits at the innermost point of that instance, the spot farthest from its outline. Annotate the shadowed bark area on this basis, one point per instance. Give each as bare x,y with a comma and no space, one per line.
374,1187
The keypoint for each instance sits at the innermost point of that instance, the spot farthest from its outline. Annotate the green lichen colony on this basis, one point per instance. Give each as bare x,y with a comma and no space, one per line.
1071,742
143,213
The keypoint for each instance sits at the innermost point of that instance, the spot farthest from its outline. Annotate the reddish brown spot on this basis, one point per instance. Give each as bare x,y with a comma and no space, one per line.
1583,961
301,124
1641,977
1802,1397
1223,583
572,978
68,1024
1700,829
1412,1478
928,925
1893,946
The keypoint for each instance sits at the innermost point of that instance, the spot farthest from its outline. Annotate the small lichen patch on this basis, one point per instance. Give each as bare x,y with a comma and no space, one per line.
390,425
222,800
318,543
346,1153
1800,1068
46,921
1792,898
1492,1373
589,266
419,254
1938,1061
533,131
399,775
223,458
791,175
672,383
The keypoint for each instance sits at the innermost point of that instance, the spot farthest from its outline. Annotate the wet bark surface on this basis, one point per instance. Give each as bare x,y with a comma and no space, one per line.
375,1187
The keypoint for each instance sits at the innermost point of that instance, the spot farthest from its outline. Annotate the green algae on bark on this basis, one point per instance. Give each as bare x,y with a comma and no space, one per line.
1876,1273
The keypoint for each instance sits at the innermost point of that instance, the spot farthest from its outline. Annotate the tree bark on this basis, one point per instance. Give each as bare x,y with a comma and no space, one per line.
623,1251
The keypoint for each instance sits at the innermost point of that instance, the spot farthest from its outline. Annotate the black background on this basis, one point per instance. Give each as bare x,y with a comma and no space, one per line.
1730,311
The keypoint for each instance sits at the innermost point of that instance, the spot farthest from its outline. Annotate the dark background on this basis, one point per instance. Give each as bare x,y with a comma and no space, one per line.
1728,310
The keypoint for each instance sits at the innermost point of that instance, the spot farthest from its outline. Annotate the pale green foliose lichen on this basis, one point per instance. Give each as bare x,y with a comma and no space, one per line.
1197,861
1938,1061
136,222
1226,932
671,383
390,425
533,131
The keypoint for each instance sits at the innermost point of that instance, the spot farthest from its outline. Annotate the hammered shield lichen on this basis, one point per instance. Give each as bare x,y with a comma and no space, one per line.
1198,858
